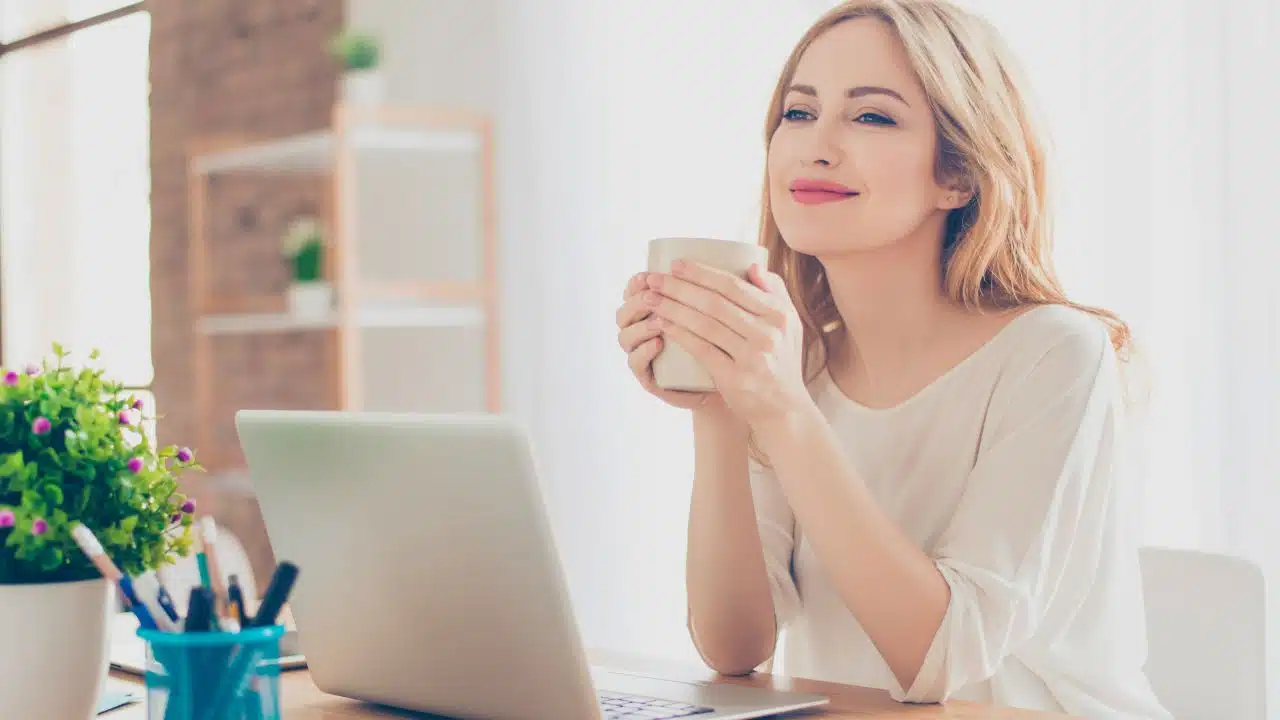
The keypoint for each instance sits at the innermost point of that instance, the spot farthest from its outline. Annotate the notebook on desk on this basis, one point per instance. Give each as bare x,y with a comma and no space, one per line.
129,652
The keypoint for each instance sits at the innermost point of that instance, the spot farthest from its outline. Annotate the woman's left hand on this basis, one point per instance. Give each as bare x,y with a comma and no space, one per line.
747,335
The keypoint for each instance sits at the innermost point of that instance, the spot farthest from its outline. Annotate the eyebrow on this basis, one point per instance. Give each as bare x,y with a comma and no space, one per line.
853,92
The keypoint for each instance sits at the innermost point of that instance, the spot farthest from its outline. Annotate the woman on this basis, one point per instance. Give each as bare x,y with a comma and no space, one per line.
911,463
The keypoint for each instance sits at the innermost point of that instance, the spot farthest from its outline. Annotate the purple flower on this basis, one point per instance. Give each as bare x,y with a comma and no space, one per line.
126,417
184,455
175,518
135,464
39,527
189,506
33,369
137,403
11,378
41,426
7,518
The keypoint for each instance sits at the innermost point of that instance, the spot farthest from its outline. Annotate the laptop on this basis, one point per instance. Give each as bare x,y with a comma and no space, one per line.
429,576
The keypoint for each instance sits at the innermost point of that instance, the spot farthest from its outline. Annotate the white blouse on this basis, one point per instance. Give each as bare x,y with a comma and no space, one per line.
1008,472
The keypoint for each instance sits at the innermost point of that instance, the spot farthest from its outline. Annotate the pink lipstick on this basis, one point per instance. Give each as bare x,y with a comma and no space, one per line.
816,192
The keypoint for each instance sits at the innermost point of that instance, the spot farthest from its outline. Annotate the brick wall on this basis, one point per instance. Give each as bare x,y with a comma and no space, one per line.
243,68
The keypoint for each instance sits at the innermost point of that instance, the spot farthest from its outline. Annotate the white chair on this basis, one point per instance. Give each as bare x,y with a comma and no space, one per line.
1206,630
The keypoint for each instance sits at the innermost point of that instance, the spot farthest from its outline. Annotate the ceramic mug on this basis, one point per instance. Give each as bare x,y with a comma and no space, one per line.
674,368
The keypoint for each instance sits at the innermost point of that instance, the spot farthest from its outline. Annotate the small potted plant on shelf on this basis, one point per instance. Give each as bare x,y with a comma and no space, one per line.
310,295
362,79
73,453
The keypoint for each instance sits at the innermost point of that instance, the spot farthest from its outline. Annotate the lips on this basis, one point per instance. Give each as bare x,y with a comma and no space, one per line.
816,192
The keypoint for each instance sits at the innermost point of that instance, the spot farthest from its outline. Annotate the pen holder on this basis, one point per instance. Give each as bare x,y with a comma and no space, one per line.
213,675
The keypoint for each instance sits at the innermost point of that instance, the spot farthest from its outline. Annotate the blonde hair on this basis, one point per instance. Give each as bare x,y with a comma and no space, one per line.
997,250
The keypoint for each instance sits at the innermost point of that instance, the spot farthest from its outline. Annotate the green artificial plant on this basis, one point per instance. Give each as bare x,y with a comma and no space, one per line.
357,51
304,248
72,452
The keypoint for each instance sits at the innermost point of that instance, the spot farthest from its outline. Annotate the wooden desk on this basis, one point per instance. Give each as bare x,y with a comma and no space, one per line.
303,701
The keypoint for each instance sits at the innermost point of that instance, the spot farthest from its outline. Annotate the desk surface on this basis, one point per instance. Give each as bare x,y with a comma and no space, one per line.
303,701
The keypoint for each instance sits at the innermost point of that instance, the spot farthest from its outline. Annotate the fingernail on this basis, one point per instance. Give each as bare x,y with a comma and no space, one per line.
652,298
655,280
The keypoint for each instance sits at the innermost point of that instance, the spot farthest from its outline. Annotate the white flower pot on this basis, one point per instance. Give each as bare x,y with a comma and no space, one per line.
310,301
363,87
56,639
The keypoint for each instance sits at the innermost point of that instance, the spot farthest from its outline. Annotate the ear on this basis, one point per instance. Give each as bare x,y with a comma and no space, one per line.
956,194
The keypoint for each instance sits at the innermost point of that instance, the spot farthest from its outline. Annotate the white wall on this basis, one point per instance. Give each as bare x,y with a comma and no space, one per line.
418,215
617,122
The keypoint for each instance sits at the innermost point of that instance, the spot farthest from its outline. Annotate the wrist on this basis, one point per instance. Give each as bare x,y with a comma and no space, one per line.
785,428
717,419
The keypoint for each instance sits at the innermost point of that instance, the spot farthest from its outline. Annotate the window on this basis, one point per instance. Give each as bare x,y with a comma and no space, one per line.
75,188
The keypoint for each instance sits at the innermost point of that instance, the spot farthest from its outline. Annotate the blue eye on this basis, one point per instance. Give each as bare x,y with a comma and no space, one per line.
796,115
874,119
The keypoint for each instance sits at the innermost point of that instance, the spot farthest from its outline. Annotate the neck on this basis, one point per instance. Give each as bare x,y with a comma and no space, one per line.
891,302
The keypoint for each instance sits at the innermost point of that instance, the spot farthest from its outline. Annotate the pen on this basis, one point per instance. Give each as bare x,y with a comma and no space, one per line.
213,569
235,597
92,549
277,592
202,564
147,590
166,600
200,611
201,663
239,673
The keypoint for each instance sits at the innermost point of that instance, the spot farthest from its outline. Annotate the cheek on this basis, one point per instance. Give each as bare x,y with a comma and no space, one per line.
897,170
777,159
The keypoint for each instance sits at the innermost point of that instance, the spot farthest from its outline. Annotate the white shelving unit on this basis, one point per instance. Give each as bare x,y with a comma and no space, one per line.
315,151
369,311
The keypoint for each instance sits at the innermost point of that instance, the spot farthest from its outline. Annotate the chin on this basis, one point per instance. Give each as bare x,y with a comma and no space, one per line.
828,238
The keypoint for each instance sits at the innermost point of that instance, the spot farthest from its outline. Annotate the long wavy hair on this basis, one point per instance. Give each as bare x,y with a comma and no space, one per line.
997,249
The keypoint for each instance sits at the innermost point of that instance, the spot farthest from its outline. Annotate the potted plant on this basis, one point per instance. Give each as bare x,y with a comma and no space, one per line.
362,79
72,452
310,295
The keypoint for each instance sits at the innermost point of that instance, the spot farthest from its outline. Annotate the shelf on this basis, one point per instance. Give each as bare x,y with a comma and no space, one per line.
314,152
372,315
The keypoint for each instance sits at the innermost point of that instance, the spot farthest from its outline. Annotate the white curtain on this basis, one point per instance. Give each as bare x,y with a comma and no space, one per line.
642,120
75,189
1166,114
620,122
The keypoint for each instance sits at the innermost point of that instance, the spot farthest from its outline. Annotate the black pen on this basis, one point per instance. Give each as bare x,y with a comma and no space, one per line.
240,672
277,593
200,610
235,597
189,667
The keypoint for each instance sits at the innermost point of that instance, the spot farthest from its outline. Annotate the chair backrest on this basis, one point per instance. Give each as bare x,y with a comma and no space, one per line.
1206,632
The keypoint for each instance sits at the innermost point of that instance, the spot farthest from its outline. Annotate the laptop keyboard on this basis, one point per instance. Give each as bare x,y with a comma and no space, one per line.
618,706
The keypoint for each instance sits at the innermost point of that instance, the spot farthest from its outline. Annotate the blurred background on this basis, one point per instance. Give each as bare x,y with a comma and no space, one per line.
481,178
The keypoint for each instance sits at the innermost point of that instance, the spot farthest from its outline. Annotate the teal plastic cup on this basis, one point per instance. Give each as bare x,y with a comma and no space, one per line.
213,675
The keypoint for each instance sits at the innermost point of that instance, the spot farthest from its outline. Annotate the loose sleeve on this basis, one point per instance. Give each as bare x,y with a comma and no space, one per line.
776,525
1026,538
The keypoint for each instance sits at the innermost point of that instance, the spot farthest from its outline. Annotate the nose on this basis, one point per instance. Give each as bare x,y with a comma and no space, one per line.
824,148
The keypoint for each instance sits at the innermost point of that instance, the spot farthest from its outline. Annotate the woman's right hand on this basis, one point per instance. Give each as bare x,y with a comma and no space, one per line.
641,340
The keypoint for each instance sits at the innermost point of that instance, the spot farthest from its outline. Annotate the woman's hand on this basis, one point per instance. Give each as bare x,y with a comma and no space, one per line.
746,334
639,335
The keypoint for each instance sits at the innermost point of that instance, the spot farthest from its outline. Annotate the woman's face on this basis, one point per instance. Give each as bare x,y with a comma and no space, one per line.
851,167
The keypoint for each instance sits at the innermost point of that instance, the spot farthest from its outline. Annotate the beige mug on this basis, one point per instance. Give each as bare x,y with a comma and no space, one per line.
674,368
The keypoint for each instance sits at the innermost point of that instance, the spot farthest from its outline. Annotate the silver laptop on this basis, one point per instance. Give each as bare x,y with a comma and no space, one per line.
429,579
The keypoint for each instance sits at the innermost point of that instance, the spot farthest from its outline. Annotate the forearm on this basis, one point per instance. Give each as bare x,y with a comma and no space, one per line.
892,587
731,613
